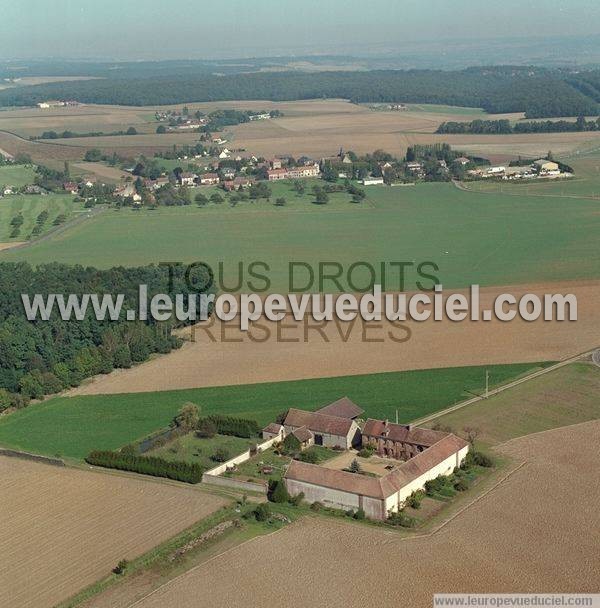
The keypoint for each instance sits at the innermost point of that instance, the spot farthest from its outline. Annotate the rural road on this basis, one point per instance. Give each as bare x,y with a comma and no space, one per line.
595,358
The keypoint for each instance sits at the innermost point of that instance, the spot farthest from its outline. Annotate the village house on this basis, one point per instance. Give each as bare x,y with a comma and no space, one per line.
304,171
237,183
71,187
276,174
545,166
225,153
187,178
275,163
209,179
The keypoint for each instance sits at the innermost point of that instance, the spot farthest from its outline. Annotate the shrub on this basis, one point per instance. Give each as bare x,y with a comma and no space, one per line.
262,512
316,506
188,417
278,492
220,455
483,460
311,456
121,567
146,465
400,518
297,500
230,425
366,452
206,429
360,514
460,485
415,499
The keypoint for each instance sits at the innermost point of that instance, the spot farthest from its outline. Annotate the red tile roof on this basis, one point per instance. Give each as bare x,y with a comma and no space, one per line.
401,432
318,423
302,434
381,487
343,408
273,427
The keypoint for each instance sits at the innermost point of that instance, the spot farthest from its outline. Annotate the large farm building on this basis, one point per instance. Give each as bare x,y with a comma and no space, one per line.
404,458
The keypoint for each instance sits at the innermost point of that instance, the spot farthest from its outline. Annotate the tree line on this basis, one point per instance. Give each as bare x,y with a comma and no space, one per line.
538,92
38,357
504,127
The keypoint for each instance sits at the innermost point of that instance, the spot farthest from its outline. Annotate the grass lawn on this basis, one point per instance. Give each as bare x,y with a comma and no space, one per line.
30,206
72,427
490,239
16,175
566,396
195,450
251,470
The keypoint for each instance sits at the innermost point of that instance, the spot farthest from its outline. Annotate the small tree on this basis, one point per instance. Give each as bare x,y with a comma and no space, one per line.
188,417
206,428
121,567
262,512
278,492
216,198
291,444
355,467
280,202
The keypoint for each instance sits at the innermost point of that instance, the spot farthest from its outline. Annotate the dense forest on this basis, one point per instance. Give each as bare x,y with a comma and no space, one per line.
536,91
43,357
504,127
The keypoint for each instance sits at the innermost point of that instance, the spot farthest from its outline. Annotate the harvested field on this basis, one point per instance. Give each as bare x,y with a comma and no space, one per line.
223,355
104,172
62,529
521,537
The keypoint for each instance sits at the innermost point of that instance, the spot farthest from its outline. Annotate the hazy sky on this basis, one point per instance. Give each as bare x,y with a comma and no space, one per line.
135,29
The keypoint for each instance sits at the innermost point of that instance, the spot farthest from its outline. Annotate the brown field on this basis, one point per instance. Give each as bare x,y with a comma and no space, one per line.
63,529
110,174
347,349
521,537
316,128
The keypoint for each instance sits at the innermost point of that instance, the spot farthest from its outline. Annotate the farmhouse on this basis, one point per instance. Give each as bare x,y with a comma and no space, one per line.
304,171
276,174
187,179
329,431
544,165
377,496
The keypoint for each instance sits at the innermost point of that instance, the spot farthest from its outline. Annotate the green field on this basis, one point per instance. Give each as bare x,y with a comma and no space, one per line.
31,205
566,396
72,427
489,239
195,450
16,175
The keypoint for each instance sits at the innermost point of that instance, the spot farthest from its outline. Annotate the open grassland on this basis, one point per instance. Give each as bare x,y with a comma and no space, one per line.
489,239
63,529
505,542
566,396
30,206
74,426
16,175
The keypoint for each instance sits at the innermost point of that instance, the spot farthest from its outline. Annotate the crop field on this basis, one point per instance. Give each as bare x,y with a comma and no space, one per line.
316,128
30,206
16,175
73,426
62,529
506,542
489,239
566,396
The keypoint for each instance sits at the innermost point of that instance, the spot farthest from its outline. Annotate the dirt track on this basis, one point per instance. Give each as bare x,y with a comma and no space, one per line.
431,345
524,536
63,529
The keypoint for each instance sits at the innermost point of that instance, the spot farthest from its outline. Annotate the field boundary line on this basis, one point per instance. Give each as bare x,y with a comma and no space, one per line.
169,582
479,497
504,387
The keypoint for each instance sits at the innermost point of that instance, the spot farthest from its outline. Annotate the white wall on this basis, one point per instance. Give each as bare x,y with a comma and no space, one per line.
220,469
